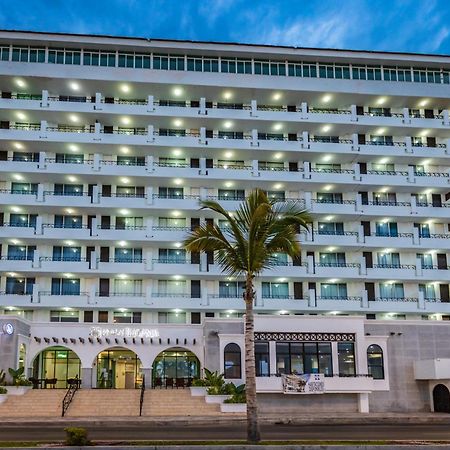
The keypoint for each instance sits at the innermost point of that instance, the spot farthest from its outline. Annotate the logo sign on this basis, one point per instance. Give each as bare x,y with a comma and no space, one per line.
308,383
124,332
8,328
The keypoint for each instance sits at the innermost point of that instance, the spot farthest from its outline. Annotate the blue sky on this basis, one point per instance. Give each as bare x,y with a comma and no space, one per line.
392,25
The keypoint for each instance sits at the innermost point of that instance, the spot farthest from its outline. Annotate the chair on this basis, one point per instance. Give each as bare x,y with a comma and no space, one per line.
189,382
50,382
179,383
169,382
35,381
158,382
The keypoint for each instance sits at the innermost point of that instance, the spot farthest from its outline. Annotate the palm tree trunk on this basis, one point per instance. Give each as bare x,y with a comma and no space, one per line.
250,372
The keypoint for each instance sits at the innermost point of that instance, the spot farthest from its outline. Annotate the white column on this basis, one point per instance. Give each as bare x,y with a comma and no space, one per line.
306,170
202,139
44,100
308,201
362,266
42,164
363,402
149,195
361,237
254,108
419,270
446,119
95,194
255,142
406,117
411,177
202,170
304,110
365,300
43,130
36,259
273,357
96,162
355,145
150,133
357,172
94,226
203,106
150,103
421,304
39,228
255,168
408,142
98,101
354,116
305,139
150,163
40,193
312,302
413,205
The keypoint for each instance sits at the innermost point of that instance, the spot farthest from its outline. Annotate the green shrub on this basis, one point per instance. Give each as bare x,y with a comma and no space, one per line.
3,390
76,436
237,394
23,382
198,382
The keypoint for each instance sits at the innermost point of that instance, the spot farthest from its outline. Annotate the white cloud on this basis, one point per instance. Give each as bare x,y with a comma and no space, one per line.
435,43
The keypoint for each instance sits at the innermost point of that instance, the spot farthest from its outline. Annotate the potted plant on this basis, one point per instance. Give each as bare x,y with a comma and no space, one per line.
3,394
217,390
237,403
198,387
19,384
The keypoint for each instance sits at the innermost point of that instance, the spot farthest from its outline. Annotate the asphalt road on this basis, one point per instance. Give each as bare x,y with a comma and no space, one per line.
146,431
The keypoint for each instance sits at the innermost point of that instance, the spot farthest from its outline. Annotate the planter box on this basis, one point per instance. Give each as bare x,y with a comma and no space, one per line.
3,397
198,391
233,407
216,398
18,390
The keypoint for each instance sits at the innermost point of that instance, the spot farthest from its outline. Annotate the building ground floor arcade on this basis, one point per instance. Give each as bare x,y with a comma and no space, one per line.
365,365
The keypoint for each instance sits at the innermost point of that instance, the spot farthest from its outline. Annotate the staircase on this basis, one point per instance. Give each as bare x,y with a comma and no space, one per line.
34,403
105,403
176,402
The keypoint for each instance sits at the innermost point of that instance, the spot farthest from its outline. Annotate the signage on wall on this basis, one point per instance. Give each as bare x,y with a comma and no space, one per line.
123,332
7,328
308,383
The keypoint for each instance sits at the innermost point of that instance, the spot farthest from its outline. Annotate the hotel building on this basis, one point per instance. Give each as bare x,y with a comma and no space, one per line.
107,145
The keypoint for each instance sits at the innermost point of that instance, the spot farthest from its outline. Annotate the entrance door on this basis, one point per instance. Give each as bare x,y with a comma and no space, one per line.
441,399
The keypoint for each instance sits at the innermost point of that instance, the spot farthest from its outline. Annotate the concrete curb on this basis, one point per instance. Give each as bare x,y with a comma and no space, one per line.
251,447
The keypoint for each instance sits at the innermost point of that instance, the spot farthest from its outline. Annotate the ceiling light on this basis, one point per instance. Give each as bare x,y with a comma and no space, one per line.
12,274
328,218
333,280
385,189
73,118
326,98
70,243
178,181
278,186
327,158
20,83
122,243
74,86
125,88
328,187
228,124
14,241
21,116
125,180
177,277
380,131
176,152
384,160
276,96
278,155
283,312
73,147
424,133
178,123
126,120
72,179
176,213
228,154
124,211
227,95
326,128
125,150
281,280
423,103
178,244
331,249
381,101
18,177
177,91
18,145
277,126
15,209
122,275
228,184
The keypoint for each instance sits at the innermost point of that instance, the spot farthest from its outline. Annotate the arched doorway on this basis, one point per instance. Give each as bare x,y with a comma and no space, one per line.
441,398
54,366
118,368
175,367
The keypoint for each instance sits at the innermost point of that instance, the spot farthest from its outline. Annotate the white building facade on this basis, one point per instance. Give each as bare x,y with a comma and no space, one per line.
108,144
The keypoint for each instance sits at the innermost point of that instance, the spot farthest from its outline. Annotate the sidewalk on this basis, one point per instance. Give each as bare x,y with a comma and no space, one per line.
320,419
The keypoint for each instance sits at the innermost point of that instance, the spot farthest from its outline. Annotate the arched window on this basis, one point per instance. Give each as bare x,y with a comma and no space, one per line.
232,361
375,363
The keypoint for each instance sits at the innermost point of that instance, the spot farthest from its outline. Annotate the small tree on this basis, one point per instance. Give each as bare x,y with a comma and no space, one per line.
258,230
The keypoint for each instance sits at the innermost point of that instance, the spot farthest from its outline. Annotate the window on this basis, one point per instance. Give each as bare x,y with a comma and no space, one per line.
346,359
332,259
428,291
171,317
65,286
68,189
300,358
231,289
426,260
67,221
262,360
61,253
388,229
64,56
130,161
170,222
375,364
171,162
231,194
129,223
279,259
171,255
331,228
134,60
233,65
19,286
389,260
130,191
26,157
168,62
27,54
329,197
235,164
128,287
127,317
269,165
392,290
22,220
88,316
64,316
4,53
99,58
278,196
333,291
21,252
385,198
103,316
232,361
171,287
424,229
24,188
169,192
65,158
275,290
128,255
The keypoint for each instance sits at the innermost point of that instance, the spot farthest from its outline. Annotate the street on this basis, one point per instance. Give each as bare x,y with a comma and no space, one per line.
154,431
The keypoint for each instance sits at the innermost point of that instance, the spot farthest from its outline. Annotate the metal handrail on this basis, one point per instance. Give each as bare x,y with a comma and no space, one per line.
141,398
67,400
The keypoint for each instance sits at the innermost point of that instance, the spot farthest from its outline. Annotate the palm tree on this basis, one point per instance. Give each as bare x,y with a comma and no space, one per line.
258,230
